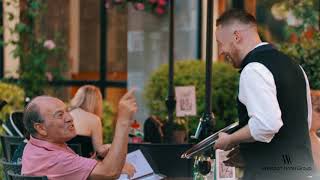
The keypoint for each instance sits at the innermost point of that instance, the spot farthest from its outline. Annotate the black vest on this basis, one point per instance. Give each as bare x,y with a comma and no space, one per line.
289,152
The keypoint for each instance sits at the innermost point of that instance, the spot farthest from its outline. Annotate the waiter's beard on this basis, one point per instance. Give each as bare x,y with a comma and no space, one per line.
233,57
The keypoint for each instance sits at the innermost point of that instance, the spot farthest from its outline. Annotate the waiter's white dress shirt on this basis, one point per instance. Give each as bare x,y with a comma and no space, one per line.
257,91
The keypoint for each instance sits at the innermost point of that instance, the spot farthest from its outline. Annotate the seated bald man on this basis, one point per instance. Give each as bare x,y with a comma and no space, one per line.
51,125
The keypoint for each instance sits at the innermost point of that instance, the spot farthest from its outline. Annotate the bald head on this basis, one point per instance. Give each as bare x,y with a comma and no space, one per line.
34,112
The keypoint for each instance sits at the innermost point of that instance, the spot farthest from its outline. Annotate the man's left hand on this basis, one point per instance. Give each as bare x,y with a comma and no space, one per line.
103,150
224,142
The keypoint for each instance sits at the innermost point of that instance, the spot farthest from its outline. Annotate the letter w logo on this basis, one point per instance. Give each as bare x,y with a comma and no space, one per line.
286,159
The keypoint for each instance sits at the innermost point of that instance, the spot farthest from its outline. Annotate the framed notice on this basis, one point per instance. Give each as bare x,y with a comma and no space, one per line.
224,172
186,101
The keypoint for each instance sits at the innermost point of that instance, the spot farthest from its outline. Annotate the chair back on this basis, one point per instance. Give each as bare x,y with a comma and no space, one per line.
14,125
8,166
9,145
76,148
14,176
16,120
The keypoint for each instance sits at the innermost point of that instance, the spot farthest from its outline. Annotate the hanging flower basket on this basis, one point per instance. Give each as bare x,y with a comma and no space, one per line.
158,7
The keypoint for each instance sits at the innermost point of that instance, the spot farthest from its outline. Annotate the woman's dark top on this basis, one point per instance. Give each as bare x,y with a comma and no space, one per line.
86,145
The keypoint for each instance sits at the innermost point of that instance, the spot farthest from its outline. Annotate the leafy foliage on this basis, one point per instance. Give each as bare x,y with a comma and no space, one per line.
14,96
224,84
34,49
305,38
158,7
107,122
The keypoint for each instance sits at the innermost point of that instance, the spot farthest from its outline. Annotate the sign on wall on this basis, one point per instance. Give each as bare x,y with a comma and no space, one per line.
186,101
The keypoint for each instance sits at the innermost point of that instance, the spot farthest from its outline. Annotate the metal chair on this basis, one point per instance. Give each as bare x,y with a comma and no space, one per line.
13,167
9,145
14,176
14,125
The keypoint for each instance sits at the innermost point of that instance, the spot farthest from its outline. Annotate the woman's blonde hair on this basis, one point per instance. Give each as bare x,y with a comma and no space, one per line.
88,98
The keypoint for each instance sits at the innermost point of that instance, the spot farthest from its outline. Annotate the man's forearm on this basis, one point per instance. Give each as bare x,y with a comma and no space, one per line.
115,159
241,136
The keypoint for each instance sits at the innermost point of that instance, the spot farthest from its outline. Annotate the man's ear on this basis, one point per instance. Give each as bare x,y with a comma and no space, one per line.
237,36
40,128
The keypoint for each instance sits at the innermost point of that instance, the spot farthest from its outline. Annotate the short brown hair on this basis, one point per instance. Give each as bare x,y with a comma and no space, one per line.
31,116
236,15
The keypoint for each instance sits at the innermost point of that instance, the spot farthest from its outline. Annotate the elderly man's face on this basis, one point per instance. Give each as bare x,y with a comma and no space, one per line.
226,45
58,123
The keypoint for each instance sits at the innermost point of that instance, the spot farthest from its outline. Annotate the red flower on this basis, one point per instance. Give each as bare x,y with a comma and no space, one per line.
294,38
162,2
160,10
309,33
135,125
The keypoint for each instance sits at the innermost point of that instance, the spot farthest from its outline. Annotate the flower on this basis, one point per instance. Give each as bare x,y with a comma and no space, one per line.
162,2
154,6
49,44
139,6
160,10
49,76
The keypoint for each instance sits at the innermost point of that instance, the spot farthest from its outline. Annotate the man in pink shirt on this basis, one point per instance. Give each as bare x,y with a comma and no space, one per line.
50,125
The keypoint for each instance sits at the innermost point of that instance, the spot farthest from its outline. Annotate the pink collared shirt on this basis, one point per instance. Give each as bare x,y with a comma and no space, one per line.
42,158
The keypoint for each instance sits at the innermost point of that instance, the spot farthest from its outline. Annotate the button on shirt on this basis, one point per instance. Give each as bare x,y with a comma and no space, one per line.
42,158
257,90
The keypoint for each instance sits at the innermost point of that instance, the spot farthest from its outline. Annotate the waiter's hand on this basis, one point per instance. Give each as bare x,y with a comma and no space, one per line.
234,158
224,142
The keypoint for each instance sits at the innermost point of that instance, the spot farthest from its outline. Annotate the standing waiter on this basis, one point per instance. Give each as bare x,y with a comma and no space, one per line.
273,103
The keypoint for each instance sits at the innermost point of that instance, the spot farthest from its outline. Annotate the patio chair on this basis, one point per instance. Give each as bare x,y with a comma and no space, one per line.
14,125
8,166
76,148
9,145
14,176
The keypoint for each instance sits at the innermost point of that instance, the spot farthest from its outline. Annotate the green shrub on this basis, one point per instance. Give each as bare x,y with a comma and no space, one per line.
224,83
304,44
14,96
107,122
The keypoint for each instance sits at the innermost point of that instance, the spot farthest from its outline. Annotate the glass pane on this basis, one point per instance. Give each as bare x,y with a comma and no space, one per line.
148,43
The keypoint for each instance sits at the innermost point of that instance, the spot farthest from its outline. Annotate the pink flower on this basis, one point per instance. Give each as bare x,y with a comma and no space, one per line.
152,1
49,76
49,44
107,4
160,10
162,2
139,6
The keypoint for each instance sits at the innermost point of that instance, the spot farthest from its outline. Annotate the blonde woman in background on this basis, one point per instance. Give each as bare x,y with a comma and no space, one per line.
86,110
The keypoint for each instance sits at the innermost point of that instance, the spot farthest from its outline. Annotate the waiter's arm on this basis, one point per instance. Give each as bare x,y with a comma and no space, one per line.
227,142
257,91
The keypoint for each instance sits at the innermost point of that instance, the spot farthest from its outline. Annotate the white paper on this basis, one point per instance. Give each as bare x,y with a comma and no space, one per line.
224,172
143,168
186,101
